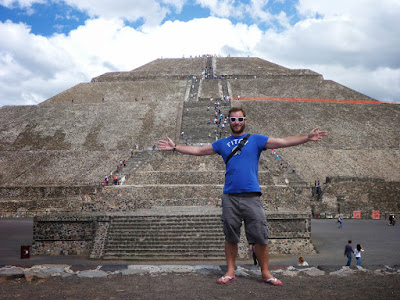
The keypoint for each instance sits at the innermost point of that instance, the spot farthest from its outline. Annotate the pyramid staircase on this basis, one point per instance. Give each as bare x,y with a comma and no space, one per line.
172,233
198,122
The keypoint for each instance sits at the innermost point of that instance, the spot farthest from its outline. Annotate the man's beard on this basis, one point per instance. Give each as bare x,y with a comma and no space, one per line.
240,130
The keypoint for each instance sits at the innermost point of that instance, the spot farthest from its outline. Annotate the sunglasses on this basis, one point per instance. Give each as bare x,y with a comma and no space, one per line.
240,119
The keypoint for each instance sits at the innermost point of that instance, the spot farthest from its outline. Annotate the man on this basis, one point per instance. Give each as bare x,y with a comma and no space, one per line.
241,196
340,221
348,251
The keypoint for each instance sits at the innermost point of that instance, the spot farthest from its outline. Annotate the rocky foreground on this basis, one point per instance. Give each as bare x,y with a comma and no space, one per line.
195,282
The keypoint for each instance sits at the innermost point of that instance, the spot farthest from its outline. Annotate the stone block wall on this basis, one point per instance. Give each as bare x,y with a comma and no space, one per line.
63,235
344,195
86,235
29,201
32,201
44,192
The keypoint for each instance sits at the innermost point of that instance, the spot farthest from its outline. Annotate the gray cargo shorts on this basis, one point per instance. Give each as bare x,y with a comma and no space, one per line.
247,207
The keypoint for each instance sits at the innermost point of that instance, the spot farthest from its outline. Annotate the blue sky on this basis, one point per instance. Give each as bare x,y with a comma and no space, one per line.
45,19
49,46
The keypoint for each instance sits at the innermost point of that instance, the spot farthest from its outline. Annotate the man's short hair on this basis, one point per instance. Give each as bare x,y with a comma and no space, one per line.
235,109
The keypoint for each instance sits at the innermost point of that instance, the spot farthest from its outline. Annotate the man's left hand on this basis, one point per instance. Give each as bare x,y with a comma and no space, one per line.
316,135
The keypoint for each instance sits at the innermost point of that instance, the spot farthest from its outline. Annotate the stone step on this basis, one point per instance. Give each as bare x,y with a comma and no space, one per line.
161,245
123,227
165,256
157,221
170,220
141,223
168,251
163,238
142,234
163,213
128,238
188,213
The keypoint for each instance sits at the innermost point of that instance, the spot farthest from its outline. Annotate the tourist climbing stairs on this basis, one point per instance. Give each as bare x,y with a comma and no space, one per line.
198,121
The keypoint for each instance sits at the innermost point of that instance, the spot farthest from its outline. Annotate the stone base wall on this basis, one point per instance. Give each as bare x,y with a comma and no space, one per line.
86,235
291,246
80,248
63,235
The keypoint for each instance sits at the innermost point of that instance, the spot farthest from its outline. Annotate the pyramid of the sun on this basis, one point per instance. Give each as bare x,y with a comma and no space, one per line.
78,136
53,157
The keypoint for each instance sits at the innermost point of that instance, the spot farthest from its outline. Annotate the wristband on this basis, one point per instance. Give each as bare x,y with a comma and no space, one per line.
173,150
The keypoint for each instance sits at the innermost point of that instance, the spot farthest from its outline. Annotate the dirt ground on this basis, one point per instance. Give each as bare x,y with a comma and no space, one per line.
195,286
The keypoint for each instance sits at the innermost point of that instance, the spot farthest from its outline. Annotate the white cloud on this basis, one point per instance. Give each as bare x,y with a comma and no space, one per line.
257,11
177,4
222,8
150,11
368,29
30,65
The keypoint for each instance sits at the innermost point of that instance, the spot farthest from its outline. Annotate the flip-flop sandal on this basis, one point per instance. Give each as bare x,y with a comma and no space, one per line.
272,281
221,280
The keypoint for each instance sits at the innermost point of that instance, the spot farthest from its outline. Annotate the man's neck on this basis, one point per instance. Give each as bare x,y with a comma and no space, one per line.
238,134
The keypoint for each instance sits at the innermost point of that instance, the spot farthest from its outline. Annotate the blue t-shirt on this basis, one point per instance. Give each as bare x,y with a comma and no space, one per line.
242,169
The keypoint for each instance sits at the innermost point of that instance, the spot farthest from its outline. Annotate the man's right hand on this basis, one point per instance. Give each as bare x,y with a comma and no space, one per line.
167,145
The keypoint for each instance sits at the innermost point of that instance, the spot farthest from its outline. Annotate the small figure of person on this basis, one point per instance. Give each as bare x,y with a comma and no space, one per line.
340,221
302,262
348,251
392,220
357,254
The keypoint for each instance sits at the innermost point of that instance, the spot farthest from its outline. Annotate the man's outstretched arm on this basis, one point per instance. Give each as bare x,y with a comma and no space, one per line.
169,145
314,136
